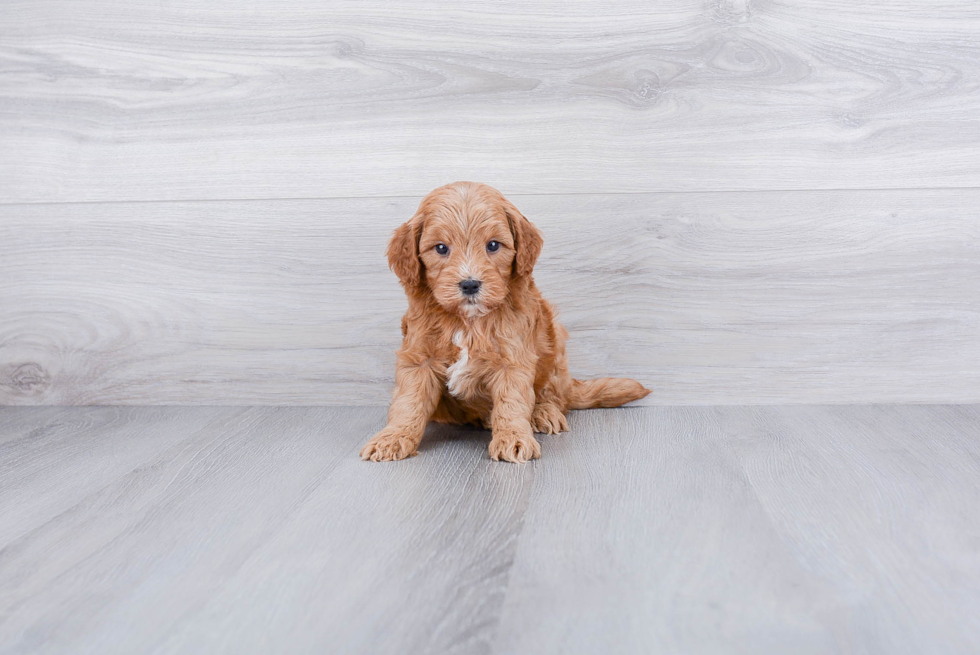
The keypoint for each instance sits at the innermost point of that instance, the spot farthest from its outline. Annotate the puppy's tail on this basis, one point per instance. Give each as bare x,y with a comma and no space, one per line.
604,392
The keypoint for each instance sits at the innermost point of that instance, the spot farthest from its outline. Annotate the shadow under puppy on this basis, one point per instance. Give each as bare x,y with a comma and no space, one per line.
481,345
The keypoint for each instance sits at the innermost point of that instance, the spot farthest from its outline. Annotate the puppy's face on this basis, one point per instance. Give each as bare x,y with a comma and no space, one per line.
465,245
467,251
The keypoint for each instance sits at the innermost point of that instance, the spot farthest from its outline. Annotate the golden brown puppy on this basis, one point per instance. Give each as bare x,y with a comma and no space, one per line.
480,343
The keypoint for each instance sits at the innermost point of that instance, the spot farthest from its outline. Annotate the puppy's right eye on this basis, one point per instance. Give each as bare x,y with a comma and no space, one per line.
442,248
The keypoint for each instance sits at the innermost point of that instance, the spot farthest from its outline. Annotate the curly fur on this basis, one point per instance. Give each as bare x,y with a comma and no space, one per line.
496,359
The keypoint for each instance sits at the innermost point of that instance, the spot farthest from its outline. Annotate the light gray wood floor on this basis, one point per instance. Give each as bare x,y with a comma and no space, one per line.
803,529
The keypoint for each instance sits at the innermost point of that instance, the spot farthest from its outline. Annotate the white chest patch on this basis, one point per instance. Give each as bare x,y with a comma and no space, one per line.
456,372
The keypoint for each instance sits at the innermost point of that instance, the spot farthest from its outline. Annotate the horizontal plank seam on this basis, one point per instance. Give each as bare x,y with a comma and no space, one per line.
809,403
511,195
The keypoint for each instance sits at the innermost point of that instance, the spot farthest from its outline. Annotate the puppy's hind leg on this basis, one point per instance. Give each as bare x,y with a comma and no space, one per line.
549,412
550,404
548,418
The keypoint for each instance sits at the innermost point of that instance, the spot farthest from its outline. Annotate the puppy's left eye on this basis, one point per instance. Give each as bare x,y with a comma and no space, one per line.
493,246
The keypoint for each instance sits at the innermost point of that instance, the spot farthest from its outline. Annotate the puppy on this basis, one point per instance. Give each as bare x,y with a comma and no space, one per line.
480,344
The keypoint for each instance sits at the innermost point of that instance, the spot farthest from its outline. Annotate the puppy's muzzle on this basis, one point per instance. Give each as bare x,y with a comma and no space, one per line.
469,287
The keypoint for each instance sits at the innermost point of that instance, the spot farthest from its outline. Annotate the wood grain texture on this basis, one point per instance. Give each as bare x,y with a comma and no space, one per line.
188,100
19,422
272,506
753,530
724,298
804,529
101,444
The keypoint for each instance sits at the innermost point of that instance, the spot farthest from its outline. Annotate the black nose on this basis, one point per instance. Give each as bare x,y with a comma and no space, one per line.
470,286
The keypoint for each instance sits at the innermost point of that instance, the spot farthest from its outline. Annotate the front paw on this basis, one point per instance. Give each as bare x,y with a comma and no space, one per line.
514,446
388,445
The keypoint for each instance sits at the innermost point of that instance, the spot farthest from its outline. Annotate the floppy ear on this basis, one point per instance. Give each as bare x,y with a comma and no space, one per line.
527,241
403,253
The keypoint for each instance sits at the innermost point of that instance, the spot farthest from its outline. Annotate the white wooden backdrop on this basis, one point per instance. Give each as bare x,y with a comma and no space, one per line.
743,201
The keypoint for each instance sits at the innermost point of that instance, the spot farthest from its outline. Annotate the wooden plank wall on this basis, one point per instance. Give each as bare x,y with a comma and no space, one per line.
743,201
